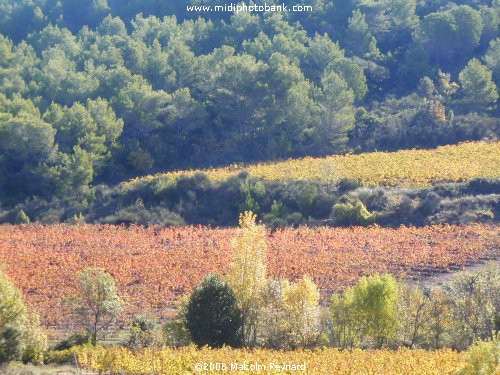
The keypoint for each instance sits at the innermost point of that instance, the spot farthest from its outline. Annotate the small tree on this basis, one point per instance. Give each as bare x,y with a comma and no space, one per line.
346,330
474,306
247,276
35,340
440,319
213,317
375,299
290,316
301,302
412,315
97,303
273,327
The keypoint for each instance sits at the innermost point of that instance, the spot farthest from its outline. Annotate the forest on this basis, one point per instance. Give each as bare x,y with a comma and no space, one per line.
94,93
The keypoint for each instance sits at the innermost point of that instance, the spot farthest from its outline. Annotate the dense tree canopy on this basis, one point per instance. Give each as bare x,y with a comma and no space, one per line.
100,91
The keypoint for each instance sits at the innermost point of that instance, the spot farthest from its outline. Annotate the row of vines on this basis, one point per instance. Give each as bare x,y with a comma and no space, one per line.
153,267
412,168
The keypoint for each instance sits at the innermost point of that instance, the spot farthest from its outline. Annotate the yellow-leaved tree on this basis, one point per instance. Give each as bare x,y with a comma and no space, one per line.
247,276
301,302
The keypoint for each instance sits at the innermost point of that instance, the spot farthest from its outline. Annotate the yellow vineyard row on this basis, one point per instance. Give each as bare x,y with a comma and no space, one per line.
221,361
407,168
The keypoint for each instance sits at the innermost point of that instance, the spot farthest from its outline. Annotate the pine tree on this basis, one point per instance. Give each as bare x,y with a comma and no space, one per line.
359,37
213,317
479,90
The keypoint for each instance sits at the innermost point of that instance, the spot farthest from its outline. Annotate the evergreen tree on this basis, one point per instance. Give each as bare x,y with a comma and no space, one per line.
479,90
359,37
492,60
213,317
337,115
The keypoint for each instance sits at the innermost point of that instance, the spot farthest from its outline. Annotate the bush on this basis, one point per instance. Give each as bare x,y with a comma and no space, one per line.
351,214
10,344
483,358
213,317
76,339
35,340
22,218
143,332
176,334
306,198
144,216
64,357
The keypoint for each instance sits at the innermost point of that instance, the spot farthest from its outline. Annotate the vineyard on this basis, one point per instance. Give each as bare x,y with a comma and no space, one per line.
327,361
409,168
153,267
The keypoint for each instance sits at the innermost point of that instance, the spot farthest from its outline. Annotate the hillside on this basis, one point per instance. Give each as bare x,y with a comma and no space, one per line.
456,184
407,168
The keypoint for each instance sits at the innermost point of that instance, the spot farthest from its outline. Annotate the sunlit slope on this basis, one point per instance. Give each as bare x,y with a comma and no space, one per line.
408,168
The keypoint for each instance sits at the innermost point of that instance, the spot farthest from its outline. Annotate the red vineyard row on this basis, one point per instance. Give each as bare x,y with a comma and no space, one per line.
154,266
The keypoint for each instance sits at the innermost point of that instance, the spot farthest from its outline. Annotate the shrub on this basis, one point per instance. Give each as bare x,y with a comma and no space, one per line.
64,357
306,198
143,216
76,339
213,317
143,332
175,332
351,214
22,218
483,358
11,347
35,340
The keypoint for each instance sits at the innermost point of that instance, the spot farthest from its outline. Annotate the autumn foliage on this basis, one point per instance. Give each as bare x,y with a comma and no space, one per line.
415,168
153,267
328,361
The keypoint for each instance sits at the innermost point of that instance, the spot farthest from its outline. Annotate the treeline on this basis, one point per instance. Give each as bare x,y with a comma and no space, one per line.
96,92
